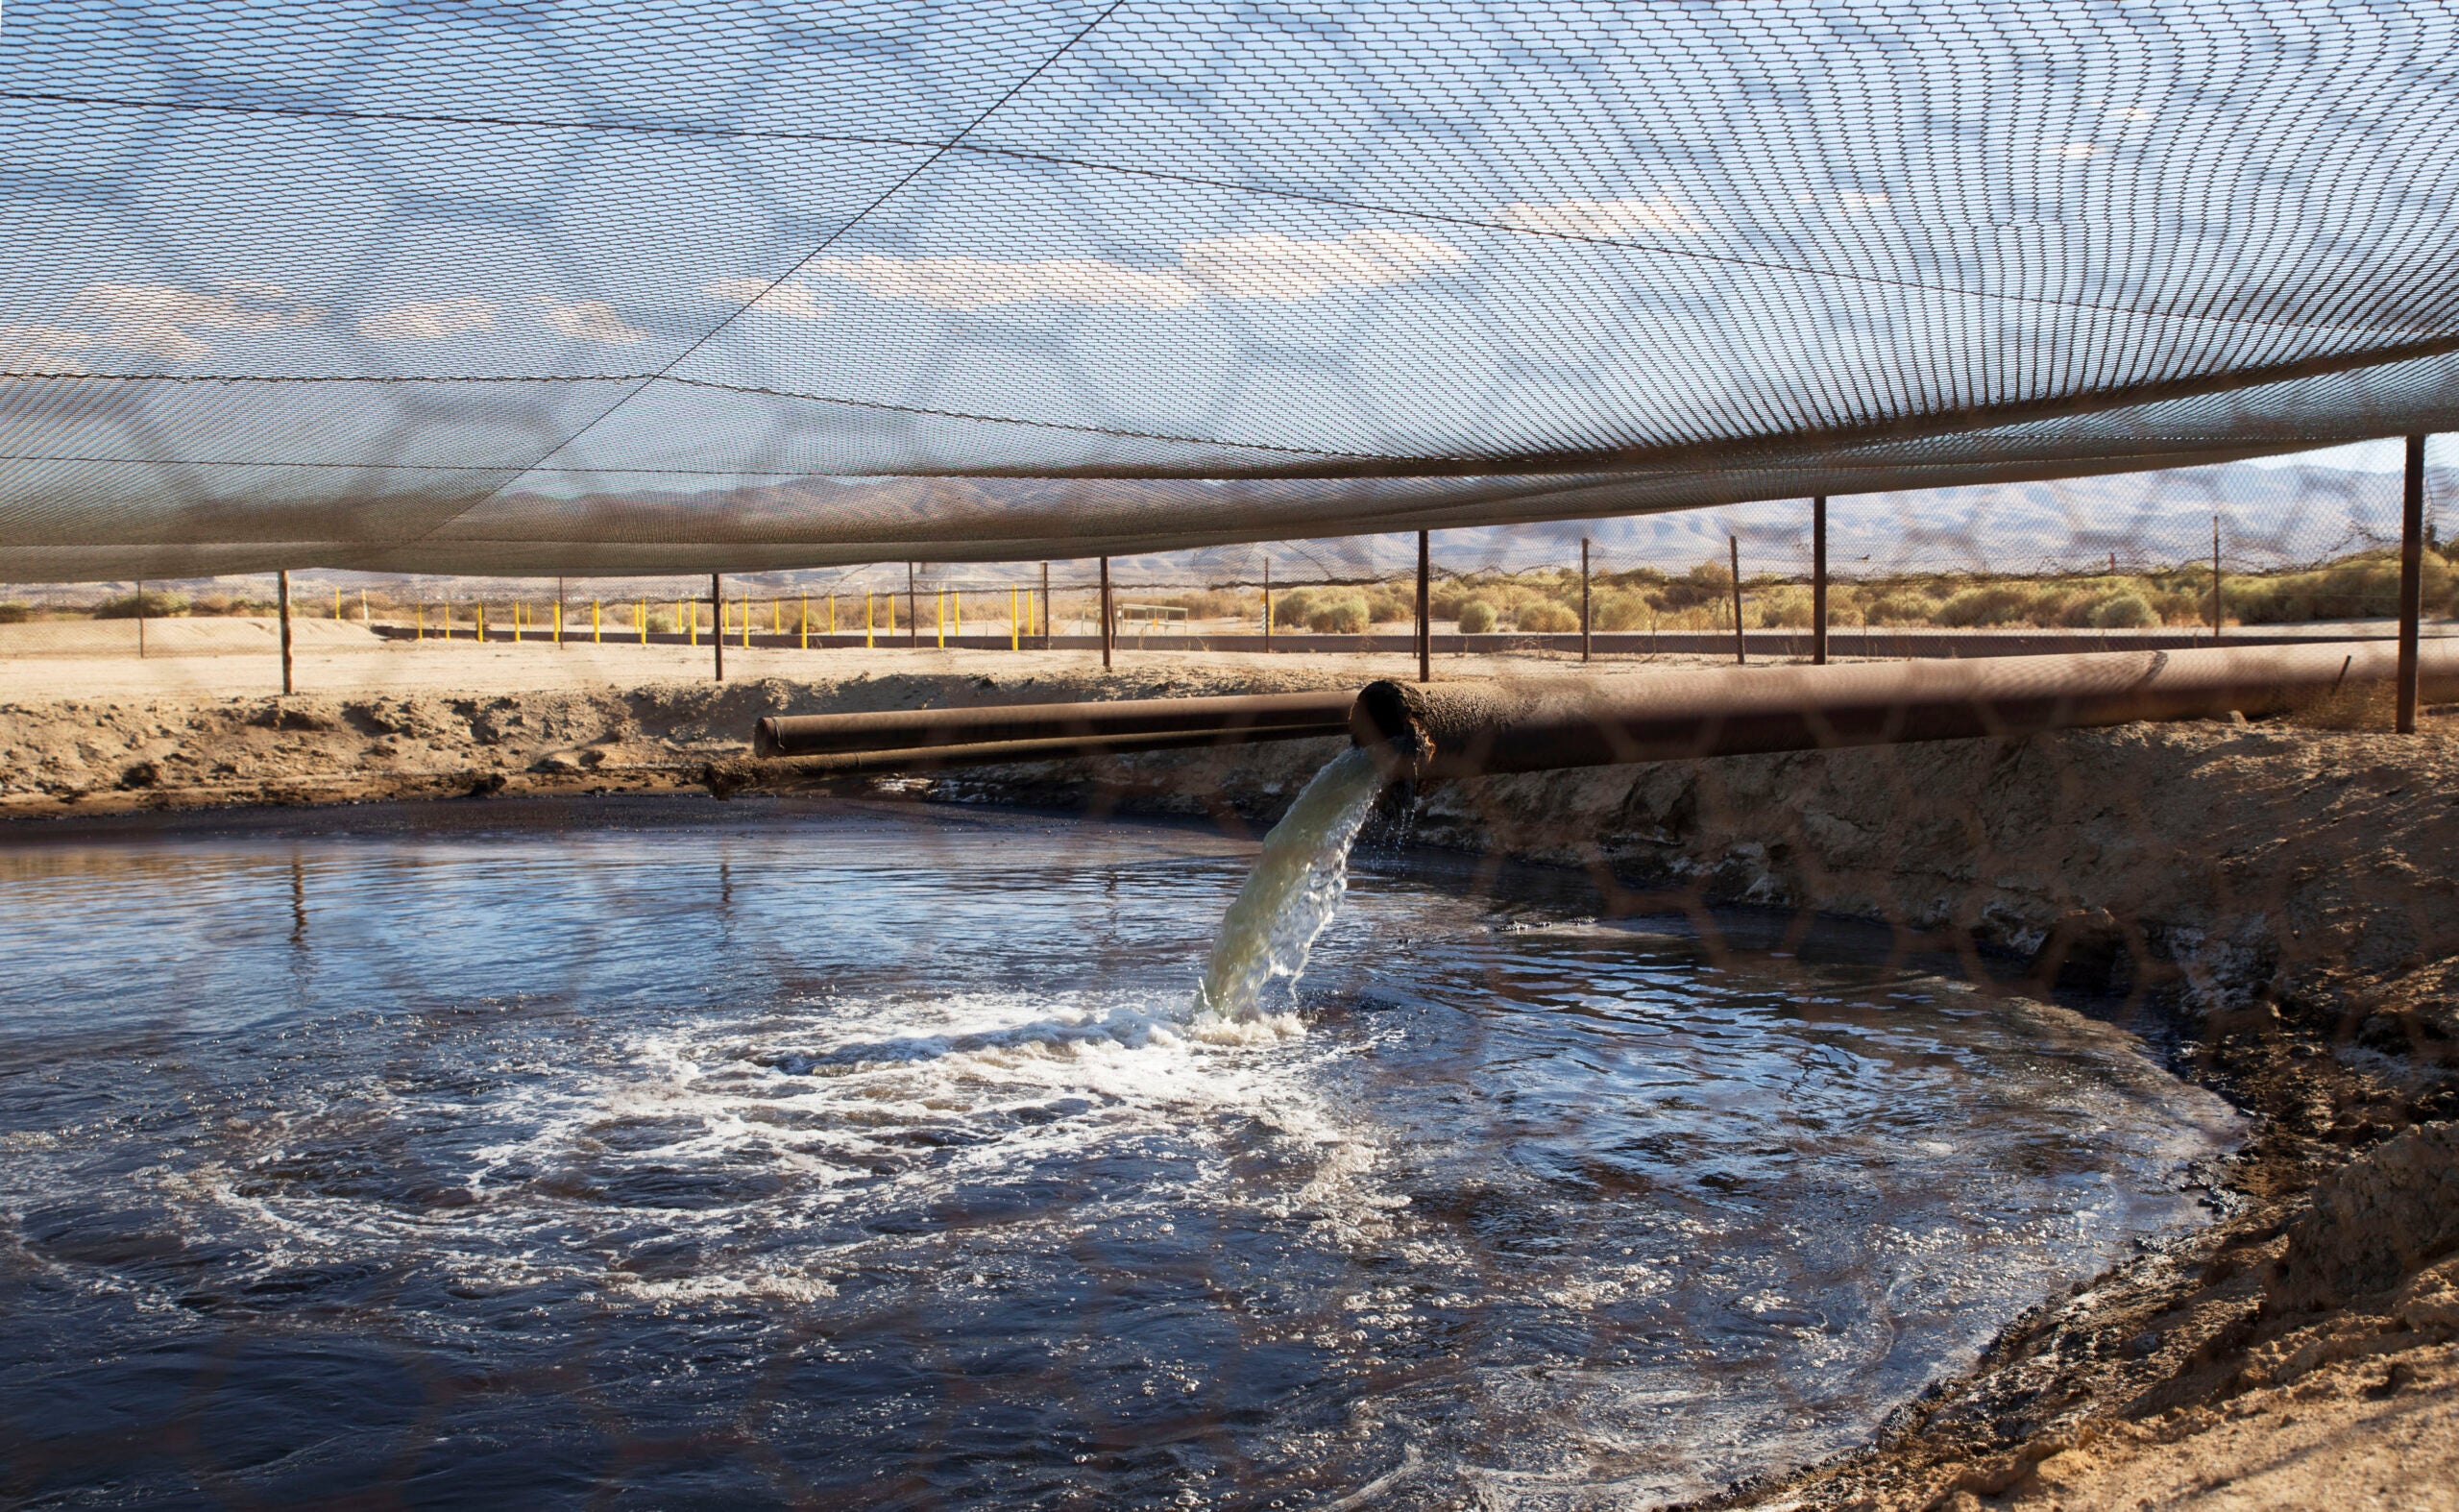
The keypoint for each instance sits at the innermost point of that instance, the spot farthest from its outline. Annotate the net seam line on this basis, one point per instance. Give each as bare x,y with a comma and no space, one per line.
1971,420
1295,196
830,240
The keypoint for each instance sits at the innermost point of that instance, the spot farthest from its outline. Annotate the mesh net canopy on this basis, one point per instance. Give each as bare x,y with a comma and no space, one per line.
622,289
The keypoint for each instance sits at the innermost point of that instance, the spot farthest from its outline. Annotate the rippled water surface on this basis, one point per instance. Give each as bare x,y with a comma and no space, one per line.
864,1156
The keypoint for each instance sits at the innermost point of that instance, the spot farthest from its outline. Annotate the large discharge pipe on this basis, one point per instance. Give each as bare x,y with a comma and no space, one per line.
1479,729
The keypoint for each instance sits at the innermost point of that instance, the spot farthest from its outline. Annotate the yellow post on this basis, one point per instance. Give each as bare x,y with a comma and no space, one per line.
867,639
832,614
595,635
516,622
422,613
482,620
956,602
641,619
939,626
776,617
1015,635
337,603
806,622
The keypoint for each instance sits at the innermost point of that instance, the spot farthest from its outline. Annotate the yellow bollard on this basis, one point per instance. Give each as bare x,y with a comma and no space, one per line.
337,603
776,617
641,619
1015,635
595,637
867,639
956,602
939,619
482,622
832,614
806,622
516,622
422,613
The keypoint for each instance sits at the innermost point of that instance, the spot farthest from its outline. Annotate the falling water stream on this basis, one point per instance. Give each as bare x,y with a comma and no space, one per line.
875,1156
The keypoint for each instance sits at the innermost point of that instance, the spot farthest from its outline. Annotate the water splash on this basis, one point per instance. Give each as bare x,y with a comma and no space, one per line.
1290,896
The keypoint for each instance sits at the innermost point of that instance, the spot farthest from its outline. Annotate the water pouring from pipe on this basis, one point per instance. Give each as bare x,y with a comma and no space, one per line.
1291,896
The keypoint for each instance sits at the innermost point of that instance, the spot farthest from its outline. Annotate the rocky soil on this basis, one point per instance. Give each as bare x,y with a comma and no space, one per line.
2273,903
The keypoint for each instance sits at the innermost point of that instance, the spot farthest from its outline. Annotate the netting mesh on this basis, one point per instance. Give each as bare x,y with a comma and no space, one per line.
621,289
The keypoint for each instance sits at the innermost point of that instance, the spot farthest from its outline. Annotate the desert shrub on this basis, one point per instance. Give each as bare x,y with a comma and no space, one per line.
147,605
1342,616
1476,617
1706,583
15,611
1384,605
1290,610
2360,587
1785,609
2125,611
1989,603
1544,616
1619,609
1901,608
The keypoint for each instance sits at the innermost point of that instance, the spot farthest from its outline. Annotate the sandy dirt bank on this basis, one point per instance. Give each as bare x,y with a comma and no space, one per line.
2272,905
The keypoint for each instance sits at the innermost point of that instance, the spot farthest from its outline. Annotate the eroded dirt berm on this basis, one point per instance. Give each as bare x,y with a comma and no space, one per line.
2274,901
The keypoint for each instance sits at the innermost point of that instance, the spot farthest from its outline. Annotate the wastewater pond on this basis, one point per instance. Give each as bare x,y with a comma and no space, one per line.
656,1155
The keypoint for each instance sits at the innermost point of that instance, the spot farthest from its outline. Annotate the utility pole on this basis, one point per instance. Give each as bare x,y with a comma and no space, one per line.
1818,581
2411,582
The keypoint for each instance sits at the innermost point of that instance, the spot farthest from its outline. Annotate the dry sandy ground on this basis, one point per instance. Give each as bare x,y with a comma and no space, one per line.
2274,902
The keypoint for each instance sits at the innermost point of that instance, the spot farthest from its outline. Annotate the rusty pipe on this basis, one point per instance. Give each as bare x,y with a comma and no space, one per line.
1478,729
1225,720
729,775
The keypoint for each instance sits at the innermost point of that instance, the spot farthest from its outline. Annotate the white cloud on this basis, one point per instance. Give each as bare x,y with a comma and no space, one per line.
1607,218
796,301
428,320
1271,266
41,348
2072,150
1861,199
979,282
589,320
155,320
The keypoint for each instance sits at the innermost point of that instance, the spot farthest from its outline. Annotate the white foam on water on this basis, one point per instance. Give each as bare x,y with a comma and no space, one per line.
1297,884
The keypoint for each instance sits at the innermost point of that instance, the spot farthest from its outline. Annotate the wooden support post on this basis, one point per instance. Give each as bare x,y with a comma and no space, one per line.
2411,582
1425,609
282,588
717,623
1740,655
1106,613
1585,620
1818,581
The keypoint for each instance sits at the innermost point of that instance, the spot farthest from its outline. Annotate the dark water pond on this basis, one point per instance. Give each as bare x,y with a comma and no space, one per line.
865,1158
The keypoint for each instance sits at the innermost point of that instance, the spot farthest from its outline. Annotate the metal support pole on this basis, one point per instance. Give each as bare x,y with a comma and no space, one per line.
912,610
1585,621
1738,656
140,619
1106,613
1045,606
559,614
2411,582
1425,609
282,582
718,630
2215,579
1818,581
1267,606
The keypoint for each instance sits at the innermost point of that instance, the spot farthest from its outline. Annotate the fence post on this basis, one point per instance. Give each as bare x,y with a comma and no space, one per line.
1818,581
2411,582
1426,605
806,622
1739,657
1015,631
1045,606
717,623
596,628
1267,606
282,582
868,640
2215,579
1587,619
1105,613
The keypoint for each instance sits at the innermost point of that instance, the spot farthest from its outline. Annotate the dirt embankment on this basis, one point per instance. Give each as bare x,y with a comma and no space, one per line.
2278,898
